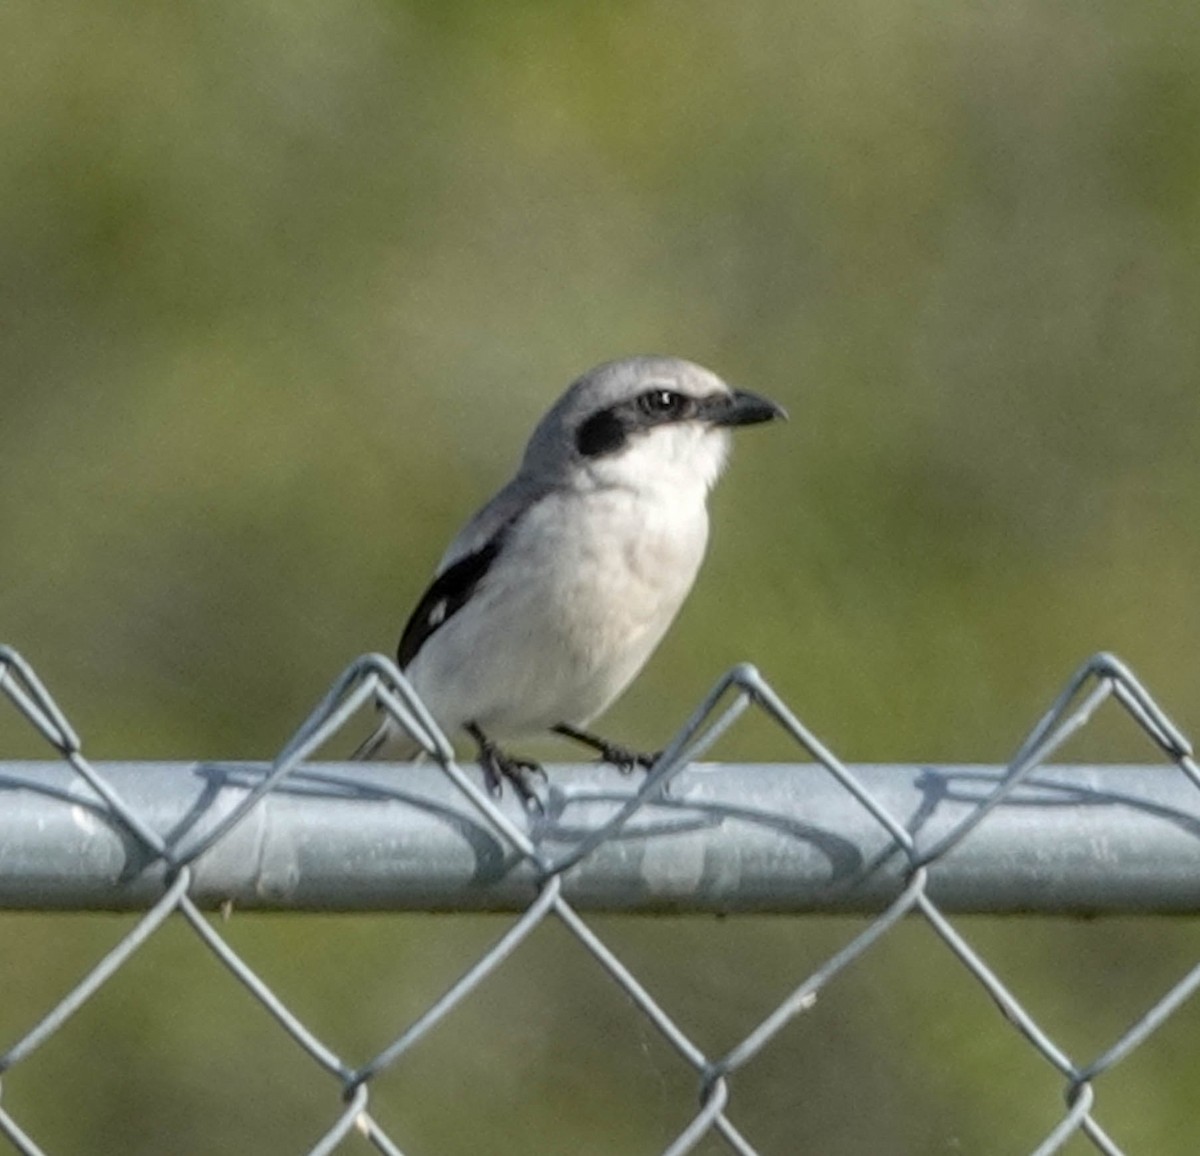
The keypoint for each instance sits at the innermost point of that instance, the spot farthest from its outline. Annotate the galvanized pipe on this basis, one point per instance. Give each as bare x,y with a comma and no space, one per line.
725,838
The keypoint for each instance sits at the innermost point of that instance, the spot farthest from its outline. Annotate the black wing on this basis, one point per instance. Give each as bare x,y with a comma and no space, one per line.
449,593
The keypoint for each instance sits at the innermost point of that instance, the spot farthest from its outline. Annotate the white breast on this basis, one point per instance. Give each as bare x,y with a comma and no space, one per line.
583,592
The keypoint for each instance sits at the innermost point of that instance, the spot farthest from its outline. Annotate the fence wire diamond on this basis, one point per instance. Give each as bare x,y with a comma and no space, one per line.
375,679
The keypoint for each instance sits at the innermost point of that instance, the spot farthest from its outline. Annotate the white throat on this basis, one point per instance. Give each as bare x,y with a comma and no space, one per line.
685,457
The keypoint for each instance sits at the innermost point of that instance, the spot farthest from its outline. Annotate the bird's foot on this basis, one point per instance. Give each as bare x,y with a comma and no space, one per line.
623,758
498,765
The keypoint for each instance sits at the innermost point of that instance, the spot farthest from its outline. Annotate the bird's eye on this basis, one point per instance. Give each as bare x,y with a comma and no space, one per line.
660,403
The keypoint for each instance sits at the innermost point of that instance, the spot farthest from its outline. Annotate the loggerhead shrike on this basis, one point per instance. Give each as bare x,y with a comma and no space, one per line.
555,593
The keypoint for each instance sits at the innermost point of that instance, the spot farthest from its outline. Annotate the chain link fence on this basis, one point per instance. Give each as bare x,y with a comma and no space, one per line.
897,842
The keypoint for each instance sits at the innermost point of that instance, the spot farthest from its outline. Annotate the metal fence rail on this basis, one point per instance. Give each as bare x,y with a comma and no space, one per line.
726,838
896,841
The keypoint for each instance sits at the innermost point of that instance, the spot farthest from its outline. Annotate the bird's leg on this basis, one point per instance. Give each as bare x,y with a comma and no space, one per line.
498,766
621,757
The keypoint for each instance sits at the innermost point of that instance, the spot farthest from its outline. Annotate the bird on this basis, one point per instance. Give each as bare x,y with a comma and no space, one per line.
553,596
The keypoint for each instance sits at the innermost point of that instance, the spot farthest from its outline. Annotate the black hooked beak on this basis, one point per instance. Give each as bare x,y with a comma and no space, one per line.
741,407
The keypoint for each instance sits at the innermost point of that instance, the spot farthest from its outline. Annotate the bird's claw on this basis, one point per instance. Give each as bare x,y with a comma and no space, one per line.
522,773
627,761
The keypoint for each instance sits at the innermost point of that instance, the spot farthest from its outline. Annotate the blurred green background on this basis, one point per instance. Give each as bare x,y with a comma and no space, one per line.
283,287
